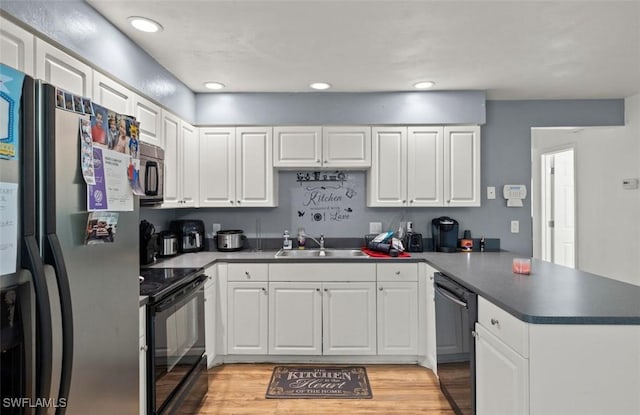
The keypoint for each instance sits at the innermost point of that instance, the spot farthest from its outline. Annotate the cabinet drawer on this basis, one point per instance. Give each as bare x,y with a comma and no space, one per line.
248,272
340,272
513,332
397,272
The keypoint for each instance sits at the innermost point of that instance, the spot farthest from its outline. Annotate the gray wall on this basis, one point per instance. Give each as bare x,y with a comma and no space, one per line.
327,108
506,159
77,27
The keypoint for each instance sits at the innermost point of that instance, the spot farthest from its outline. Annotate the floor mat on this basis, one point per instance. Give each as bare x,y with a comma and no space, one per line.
319,382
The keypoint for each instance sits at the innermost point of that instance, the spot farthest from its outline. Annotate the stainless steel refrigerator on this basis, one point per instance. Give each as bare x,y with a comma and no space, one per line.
73,332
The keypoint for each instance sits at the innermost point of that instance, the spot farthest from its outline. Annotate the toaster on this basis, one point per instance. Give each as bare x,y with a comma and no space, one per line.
190,234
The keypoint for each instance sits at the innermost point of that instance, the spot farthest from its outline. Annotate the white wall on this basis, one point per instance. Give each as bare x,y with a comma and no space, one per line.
608,217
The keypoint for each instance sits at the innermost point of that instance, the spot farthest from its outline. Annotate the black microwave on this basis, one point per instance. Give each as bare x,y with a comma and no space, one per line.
151,174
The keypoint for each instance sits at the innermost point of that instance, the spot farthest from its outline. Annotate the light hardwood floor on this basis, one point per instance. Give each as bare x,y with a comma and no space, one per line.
397,389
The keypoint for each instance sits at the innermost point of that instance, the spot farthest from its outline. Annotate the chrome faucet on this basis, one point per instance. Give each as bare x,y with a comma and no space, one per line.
320,242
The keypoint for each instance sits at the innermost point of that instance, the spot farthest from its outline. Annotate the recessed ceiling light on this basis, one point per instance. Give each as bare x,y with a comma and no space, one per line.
213,85
320,85
424,84
145,25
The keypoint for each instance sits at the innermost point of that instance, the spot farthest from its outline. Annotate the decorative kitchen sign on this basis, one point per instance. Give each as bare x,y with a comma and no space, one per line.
326,199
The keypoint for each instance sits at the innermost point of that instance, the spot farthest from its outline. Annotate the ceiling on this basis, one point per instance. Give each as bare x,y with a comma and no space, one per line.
511,49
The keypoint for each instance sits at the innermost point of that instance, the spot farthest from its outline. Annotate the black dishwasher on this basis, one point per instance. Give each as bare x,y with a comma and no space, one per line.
456,315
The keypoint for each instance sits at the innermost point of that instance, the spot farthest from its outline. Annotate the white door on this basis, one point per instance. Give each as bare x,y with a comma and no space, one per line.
349,318
63,71
172,161
502,377
16,47
462,166
425,166
217,180
397,318
387,179
150,117
190,176
295,318
346,147
247,321
297,147
559,208
111,95
254,167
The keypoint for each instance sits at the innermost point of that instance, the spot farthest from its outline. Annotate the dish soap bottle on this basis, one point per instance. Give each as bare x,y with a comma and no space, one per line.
301,238
286,244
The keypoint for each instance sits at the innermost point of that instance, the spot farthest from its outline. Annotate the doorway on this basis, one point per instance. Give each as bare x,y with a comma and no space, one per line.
557,206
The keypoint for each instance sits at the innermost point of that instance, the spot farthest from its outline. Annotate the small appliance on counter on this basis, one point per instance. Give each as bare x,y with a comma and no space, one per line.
444,231
230,240
168,242
190,234
413,242
148,243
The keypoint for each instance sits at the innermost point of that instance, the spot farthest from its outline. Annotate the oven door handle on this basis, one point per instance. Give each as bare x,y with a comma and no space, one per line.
179,296
450,296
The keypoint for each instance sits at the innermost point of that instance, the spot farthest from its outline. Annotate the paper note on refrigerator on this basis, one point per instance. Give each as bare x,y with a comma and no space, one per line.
8,227
111,191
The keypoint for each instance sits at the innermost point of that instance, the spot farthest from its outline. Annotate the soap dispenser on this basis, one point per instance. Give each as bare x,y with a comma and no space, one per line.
286,243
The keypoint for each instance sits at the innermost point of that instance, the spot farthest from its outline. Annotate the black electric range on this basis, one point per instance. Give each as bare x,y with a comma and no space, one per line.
159,282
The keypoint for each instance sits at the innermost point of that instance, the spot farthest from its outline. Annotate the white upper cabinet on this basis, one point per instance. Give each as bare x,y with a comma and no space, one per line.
217,167
346,147
425,166
16,47
462,166
190,164
322,147
387,179
150,117
297,147
111,95
181,162
255,181
171,133
62,70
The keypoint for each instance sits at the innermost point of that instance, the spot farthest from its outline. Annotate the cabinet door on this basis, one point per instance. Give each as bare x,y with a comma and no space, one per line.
190,177
349,318
502,377
217,167
111,95
63,71
398,318
387,179
424,162
247,321
210,316
16,47
297,147
172,161
150,117
255,183
295,318
346,147
462,166
142,361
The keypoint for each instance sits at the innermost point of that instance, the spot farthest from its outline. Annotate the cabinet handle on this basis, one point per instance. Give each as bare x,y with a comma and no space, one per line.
404,201
495,322
318,161
264,290
231,201
475,334
238,202
380,289
431,278
397,272
326,289
247,274
144,348
318,289
325,162
411,201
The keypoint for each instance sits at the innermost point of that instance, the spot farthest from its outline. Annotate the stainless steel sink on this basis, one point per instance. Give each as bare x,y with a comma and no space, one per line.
318,253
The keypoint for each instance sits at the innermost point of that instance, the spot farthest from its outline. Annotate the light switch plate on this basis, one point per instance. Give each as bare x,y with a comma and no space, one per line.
515,226
375,227
216,227
491,192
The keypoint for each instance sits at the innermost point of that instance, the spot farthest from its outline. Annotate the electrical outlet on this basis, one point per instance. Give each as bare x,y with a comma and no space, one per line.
491,192
515,226
375,227
216,227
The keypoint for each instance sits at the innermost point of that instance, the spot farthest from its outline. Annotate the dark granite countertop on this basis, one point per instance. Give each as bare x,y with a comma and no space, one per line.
551,294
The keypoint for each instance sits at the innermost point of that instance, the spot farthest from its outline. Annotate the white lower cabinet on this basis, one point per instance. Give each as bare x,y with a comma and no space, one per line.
295,318
397,318
142,363
502,377
349,318
210,314
247,321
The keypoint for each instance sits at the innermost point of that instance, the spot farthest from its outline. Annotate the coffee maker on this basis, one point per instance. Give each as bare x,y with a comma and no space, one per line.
444,231
190,234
